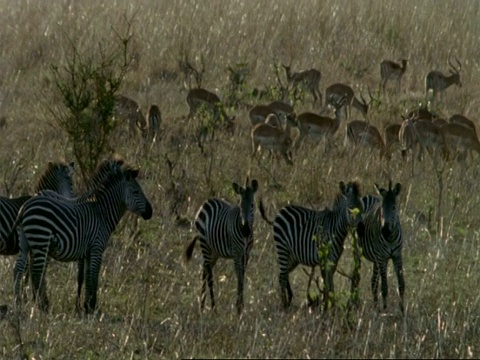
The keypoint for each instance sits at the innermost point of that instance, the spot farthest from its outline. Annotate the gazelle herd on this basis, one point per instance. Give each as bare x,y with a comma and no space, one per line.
272,123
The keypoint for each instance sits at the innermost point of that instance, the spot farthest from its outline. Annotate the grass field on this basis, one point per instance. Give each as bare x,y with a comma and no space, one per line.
148,297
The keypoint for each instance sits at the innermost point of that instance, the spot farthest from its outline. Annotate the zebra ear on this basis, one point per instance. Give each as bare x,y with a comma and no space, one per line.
254,185
237,188
380,191
343,187
397,188
71,168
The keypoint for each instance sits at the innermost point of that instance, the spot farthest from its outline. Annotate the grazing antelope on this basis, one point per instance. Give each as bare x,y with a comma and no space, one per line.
423,133
273,138
201,98
439,122
335,92
128,110
462,120
392,142
308,80
390,70
282,109
361,133
438,82
422,113
154,119
317,126
460,140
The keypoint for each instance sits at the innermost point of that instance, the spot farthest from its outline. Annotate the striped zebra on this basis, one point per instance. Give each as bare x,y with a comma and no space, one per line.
56,178
226,231
380,239
300,234
72,230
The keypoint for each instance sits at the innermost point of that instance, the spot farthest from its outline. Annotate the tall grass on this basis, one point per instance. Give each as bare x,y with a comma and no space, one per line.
148,298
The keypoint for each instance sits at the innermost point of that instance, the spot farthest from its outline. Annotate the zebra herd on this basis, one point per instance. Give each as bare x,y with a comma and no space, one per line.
53,224
304,236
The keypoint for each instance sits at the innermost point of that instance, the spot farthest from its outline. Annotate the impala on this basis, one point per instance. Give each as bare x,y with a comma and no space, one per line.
153,120
460,140
462,120
390,70
273,138
128,110
309,80
361,133
392,142
282,109
201,99
335,92
422,113
423,133
438,82
317,126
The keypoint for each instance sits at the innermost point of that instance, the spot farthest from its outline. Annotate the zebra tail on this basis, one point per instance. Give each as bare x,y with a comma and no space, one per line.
261,207
190,247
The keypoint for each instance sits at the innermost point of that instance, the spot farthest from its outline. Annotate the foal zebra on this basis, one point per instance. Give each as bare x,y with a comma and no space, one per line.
57,178
226,231
299,232
380,238
73,230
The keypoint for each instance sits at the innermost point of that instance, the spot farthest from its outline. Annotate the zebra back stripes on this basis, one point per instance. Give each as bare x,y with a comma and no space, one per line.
73,230
226,231
300,232
380,239
56,178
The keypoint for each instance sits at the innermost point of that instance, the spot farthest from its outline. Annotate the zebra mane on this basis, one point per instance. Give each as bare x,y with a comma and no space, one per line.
113,177
52,168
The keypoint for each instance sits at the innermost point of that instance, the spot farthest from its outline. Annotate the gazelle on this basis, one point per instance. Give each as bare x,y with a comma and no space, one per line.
309,80
335,92
438,82
317,126
361,133
273,138
128,110
199,98
390,70
463,120
460,140
423,133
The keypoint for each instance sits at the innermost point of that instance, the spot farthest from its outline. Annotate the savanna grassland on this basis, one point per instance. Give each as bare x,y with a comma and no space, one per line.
148,297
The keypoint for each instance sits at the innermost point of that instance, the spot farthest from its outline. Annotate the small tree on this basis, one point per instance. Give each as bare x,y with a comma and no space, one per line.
87,85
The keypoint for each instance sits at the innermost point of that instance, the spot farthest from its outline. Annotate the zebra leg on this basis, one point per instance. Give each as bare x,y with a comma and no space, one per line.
375,278
240,271
327,271
207,279
383,275
92,271
20,266
38,272
397,262
80,279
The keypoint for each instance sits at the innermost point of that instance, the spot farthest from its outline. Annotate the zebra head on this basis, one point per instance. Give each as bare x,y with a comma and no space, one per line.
102,171
389,213
135,199
58,178
352,193
247,204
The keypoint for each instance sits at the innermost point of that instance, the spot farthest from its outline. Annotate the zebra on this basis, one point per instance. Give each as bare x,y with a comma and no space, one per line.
300,234
72,230
226,231
380,239
56,178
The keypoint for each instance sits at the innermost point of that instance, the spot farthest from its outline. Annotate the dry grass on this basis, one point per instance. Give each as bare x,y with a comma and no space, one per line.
148,298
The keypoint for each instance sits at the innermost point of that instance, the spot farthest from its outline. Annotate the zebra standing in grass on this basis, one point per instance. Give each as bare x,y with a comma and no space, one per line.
380,239
301,233
72,230
57,178
226,231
